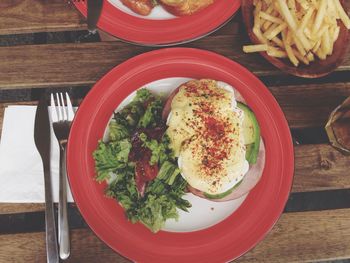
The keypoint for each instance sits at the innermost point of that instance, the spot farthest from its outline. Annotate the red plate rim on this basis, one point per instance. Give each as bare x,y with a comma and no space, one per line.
169,32
225,241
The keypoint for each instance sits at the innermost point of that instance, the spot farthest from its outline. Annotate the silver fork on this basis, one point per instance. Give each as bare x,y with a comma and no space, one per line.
61,122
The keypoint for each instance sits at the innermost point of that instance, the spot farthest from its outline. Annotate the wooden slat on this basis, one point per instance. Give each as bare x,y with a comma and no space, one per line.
305,236
15,208
85,247
317,168
60,65
320,167
297,237
305,106
310,105
28,16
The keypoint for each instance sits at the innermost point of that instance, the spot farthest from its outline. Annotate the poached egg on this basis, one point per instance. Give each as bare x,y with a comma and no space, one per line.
205,131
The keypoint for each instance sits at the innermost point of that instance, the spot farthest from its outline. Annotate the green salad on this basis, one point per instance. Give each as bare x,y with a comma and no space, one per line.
138,164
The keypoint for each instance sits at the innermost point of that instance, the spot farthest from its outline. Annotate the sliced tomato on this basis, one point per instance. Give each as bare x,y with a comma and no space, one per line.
144,172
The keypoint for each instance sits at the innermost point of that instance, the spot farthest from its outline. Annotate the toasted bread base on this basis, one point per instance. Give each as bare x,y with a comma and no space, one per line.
185,7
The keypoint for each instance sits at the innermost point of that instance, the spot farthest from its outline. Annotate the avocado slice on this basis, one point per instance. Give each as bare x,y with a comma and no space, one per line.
251,133
224,194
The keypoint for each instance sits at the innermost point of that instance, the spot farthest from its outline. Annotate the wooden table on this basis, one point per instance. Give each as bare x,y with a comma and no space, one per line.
316,222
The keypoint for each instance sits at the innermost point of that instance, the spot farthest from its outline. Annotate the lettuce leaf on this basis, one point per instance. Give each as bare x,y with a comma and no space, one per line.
159,203
156,210
163,195
152,115
160,150
110,157
143,95
117,131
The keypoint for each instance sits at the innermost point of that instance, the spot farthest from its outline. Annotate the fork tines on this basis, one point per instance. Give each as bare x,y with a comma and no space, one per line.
63,108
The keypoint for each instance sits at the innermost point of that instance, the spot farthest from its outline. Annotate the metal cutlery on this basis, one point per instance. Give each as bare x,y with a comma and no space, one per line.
62,115
42,140
94,8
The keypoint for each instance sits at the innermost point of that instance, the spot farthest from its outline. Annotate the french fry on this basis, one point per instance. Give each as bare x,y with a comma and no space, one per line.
304,4
300,30
320,15
291,55
255,48
343,16
270,18
317,46
325,43
320,54
287,37
310,57
299,46
276,52
300,57
269,10
287,14
303,39
256,14
331,42
314,3
322,31
286,40
270,34
308,34
291,4
259,35
278,42
266,25
306,18
336,33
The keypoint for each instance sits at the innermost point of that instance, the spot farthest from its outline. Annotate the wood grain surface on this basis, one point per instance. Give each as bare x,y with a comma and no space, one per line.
305,106
297,237
320,167
15,208
83,64
27,16
317,168
305,236
309,105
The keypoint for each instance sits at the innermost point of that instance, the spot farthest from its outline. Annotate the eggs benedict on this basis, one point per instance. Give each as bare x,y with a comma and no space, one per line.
215,138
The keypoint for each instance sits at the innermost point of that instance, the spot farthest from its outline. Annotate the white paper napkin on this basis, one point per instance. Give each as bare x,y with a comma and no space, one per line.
21,169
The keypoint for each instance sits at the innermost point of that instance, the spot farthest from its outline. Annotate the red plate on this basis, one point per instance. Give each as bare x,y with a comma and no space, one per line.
223,242
163,32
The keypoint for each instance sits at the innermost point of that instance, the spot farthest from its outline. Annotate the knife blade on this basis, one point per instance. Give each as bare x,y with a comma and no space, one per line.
93,14
42,138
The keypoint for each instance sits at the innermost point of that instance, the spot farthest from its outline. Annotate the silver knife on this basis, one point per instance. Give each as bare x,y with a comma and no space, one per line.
43,144
93,14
